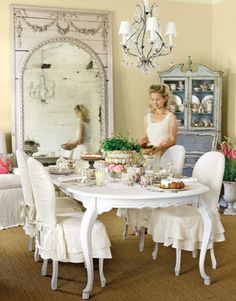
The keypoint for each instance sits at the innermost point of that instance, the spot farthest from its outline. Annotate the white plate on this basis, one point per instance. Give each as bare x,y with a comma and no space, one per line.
178,100
169,189
195,99
207,99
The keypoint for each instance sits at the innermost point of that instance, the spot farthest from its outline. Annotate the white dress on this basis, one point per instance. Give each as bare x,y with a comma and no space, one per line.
85,147
157,132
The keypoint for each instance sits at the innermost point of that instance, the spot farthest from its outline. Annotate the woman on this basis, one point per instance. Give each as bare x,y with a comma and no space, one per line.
160,133
160,124
82,140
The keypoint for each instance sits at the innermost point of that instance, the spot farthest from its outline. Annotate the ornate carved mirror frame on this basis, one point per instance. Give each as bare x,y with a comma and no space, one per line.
35,27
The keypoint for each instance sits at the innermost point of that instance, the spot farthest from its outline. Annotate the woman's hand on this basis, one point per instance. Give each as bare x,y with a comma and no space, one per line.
144,142
152,151
164,144
68,146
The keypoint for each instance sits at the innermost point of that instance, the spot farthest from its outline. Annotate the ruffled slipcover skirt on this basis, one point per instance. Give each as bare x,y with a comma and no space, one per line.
62,242
182,227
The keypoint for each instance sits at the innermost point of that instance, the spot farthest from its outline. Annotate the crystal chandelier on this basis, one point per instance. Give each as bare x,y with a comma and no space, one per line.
43,89
142,40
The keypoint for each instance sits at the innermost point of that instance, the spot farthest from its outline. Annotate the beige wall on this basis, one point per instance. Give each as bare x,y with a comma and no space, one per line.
224,58
194,25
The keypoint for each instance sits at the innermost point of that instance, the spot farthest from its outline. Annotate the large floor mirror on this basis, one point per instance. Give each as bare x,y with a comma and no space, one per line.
56,75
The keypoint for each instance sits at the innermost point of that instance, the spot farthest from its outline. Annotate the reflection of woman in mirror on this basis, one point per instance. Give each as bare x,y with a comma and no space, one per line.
160,124
82,140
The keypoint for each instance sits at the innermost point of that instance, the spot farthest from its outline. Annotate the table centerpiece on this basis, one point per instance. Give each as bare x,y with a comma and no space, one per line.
120,150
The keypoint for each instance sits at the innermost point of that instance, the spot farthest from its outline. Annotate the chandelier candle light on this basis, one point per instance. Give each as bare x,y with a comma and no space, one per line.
143,40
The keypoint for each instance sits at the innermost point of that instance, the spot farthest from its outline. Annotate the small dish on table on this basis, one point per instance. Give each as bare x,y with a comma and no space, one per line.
60,171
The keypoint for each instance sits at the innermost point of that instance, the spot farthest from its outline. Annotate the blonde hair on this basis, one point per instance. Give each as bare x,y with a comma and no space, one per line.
164,91
84,112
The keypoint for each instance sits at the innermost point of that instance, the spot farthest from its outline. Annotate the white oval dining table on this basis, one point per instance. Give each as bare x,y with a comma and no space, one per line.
98,200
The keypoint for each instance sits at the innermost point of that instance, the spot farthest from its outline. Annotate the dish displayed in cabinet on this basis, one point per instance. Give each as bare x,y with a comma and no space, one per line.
199,86
196,100
208,98
176,86
177,100
200,123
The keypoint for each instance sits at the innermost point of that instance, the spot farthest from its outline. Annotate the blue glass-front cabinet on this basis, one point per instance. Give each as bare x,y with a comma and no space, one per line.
197,99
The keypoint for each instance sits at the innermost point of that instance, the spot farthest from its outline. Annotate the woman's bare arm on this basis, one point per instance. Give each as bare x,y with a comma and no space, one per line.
81,135
144,140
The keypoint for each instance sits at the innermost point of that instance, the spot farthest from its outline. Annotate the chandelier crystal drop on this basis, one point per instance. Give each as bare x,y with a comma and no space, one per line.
142,40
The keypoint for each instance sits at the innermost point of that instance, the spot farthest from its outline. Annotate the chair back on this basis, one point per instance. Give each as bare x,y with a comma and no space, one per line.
44,193
176,154
24,177
209,170
3,145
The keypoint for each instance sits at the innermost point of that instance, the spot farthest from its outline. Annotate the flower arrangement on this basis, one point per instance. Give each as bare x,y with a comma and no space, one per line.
30,146
115,170
228,149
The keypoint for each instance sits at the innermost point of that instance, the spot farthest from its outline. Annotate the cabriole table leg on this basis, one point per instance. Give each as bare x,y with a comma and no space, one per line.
85,235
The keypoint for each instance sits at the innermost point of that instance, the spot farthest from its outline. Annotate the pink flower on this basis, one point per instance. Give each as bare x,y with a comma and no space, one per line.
111,167
232,154
118,168
224,148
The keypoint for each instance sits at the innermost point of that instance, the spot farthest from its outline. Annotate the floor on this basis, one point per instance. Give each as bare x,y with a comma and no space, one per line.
130,275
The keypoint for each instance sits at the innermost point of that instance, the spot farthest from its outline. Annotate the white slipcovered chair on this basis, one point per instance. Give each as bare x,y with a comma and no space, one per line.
139,218
182,227
64,205
59,236
176,154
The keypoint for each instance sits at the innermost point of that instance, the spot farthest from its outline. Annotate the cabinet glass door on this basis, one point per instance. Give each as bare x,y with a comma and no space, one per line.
202,103
179,89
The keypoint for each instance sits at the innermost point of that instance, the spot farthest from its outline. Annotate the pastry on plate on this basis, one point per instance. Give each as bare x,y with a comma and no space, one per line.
170,184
